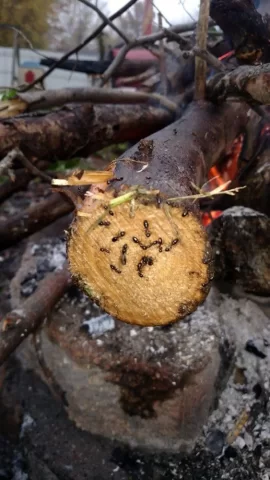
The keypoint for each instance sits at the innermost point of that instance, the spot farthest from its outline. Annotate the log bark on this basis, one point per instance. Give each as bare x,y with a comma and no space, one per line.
33,219
143,256
79,129
250,83
19,323
22,178
240,238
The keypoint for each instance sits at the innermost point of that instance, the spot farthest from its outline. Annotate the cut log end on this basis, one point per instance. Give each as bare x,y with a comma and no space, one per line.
142,262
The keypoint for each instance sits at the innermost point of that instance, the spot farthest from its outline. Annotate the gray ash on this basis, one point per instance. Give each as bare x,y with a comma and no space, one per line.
50,255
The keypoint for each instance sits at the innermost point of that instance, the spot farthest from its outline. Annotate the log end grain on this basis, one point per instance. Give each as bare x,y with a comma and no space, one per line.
143,263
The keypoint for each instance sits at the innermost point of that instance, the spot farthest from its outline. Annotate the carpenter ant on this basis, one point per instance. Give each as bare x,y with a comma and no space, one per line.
104,250
123,254
146,226
119,235
115,269
104,223
174,242
144,261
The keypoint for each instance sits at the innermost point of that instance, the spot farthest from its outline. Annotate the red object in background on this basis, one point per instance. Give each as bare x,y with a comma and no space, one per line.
136,54
29,76
148,17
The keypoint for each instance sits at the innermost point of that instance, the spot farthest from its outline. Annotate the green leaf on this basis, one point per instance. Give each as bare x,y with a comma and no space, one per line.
62,165
8,94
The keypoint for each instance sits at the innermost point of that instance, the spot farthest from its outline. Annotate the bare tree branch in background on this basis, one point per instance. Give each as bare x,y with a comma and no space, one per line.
105,19
182,2
25,38
163,16
141,42
81,45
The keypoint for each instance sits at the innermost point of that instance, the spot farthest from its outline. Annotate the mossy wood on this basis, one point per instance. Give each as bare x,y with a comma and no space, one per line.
145,259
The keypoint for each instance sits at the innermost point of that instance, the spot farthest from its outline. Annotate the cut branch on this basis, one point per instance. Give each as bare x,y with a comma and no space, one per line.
145,259
19,323
33,219
79,130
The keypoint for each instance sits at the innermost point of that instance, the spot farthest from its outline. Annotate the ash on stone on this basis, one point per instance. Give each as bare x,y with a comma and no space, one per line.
99,325
50,256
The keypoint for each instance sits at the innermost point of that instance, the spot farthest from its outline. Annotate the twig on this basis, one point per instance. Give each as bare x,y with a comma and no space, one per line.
136,79
81,45
162,62
200,65
17,154
139,42
7,162
186,10
20,32
202,194
52,98
19,323
22,178
105,19
207,56
176,37
163,16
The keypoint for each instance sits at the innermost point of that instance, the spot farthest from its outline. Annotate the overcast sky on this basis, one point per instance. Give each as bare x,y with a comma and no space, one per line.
172,9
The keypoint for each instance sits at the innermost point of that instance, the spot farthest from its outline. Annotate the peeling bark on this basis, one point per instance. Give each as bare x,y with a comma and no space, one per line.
251,83
79,129
241,240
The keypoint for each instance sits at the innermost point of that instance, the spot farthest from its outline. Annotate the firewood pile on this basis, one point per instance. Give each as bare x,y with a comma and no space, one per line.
135,290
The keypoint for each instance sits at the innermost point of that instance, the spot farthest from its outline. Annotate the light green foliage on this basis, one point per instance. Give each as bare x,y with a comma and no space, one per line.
31,16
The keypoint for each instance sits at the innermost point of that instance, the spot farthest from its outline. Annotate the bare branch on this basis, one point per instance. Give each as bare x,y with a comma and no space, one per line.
200,65
81,45
105,19
142,41
207,56
135,79
19,323
162,62
31,167
52,98
7,162
182,2
16,29
176,37
163,16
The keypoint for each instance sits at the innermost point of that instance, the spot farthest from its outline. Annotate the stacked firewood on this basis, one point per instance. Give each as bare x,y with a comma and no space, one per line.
137,245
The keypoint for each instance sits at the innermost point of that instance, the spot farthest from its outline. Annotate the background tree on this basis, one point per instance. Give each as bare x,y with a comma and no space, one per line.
132,22
70,22
31,16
